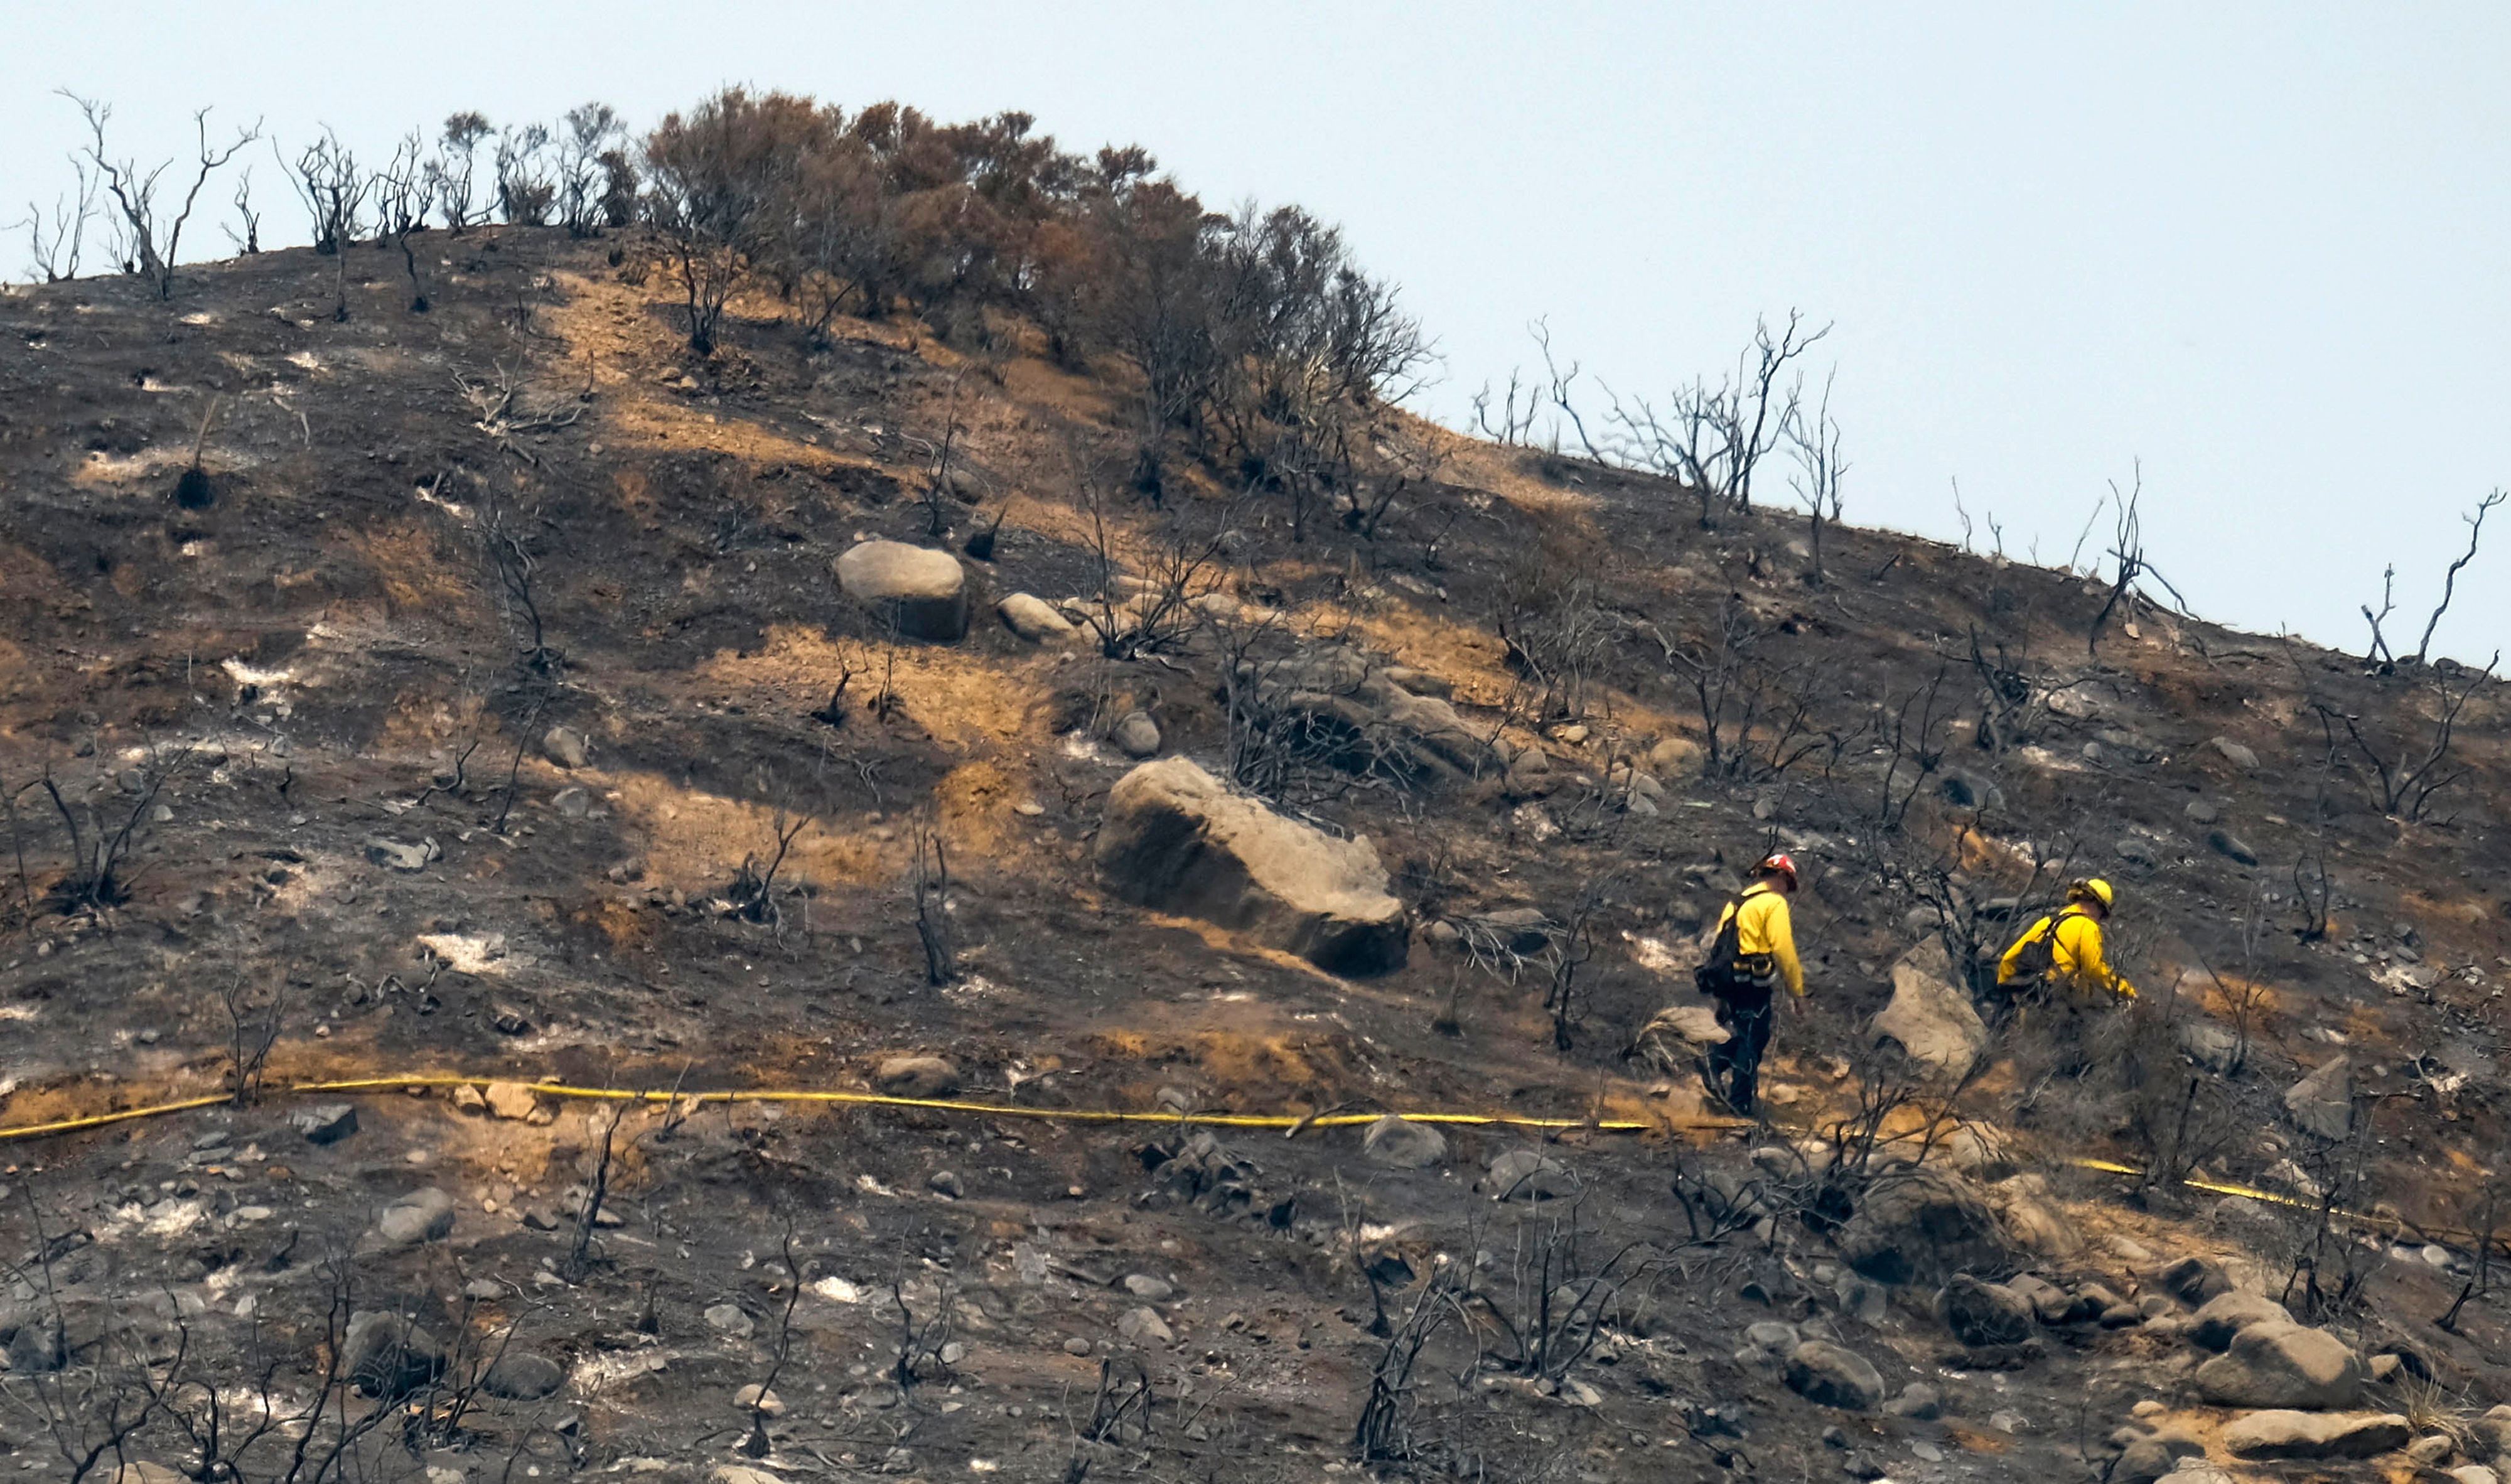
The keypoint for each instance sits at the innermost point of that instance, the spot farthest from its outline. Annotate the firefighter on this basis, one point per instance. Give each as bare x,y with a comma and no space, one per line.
2064,948
1753,954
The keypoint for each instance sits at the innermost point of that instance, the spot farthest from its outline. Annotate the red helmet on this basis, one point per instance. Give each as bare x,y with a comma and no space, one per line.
1778,864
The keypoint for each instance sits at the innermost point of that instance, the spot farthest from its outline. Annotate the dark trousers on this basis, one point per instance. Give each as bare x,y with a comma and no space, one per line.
1735,1064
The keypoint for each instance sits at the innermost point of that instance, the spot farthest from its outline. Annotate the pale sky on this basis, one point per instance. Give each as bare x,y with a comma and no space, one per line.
2261,247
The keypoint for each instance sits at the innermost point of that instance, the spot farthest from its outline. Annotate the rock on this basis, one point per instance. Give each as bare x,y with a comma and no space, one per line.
422,1216
2225,843
2286,1435
566,747
2200,813
1137,735
1174,840
2210,1047
1980,1315
2152,1456
2196,1471
1032,619
2474,1474
946,1184
1678,1035
2223,1317
758,1398
325,1123
2194,1281
1523,1175
915,1077
572,802
921,592
2431,1449
1400,1144
1148,1289
2236,754
2050,1302
141,1472
730,1319
2322,1104
1675,758
512,1099
1350,712
1964,791
387,1356
38,1345
1834,1376
400,855
1929,1017
1076,1345
2138,852
1918,1401
467,1098
740,1473
1144,1326
2271,1364
522,1376
2031,1218
1924,1227
1770,1334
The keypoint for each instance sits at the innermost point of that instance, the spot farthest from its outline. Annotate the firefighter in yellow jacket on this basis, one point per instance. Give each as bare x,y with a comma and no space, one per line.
2064,948
1753,952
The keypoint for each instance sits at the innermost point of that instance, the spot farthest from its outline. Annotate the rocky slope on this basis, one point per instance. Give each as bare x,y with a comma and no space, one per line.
509,698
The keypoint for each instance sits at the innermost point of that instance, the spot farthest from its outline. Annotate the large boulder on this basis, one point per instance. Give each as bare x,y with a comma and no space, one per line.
2283,1434
1372,717
1981,1315
1929,1016
2221,1318
2283,1365
1175,840
1032,617
2032,1217
1924,1225
1835,1376
922,592
385,1355
2323,1103
1401,1144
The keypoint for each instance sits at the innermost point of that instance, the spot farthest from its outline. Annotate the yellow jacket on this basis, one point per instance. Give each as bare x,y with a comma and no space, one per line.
2075,954
1762,926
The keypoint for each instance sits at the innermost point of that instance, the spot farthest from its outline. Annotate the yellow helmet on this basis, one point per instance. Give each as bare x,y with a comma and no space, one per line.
2092,889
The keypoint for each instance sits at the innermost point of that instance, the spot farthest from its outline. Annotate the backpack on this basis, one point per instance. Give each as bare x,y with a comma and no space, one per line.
2039,957
1716,973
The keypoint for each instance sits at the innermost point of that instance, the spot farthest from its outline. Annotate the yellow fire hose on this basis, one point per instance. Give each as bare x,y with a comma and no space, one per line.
1292,1123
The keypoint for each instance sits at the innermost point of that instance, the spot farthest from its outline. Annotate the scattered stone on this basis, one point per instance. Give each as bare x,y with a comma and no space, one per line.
2225,843
1148,1289
2322,1104
2474,1474
2136,851
512,1099
946,1184
2147,1458
2210,1046
38,1345
566,747
915,1077
422,1216
739,1473
1076,1345
1401,1144
2236,754
2194,1281
2288,1435
1144,1326
387,1356
400,855
1918,1401
2049,1303
467,1098
730,1319
2283,1365
921,592
1175,840
1675,758
2430,1449
1137,735
572,802
755,1398
1032,619
2200,813
1679,1035
143,1471
1772,1337
2031,1218
1834,1376
325,1123
522,1376
1929,1016
1524,1175
1924,1227
1980,1313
